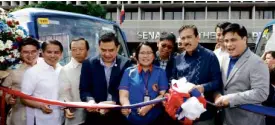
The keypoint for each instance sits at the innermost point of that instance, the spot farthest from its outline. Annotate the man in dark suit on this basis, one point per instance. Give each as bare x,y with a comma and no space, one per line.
99,81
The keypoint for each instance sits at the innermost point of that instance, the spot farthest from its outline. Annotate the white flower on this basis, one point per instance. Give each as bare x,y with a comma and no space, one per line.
8,44
20,32
16,53
8,57
12,59
2,45
2,59
3,17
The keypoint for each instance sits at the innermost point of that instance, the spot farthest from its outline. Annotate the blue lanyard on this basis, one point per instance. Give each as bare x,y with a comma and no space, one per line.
146,79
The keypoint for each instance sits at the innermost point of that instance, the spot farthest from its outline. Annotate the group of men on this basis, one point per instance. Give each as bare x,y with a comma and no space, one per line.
229,77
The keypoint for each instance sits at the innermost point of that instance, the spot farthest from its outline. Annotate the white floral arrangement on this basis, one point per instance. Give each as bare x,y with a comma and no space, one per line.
11,34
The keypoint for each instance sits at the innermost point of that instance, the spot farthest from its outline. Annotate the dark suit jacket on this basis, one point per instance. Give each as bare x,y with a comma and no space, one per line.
93,82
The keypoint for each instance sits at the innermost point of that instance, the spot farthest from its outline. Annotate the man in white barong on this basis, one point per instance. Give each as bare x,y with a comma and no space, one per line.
41,81
69,79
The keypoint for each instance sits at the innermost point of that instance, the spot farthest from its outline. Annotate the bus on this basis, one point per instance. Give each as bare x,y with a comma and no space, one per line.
45,24
266,41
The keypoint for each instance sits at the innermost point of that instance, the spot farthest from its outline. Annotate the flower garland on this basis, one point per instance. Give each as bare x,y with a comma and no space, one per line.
11,34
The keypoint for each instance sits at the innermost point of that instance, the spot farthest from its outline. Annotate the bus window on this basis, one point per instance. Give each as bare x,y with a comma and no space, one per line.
122,49
265,36
64,29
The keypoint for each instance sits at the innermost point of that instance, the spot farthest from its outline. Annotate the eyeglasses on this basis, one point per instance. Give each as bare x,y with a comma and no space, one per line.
146,53
166,46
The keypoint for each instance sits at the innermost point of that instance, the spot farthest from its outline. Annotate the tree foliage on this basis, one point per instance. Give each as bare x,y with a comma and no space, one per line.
87,8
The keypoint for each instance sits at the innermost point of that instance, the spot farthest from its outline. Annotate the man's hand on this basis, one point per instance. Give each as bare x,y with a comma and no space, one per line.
69,114
222,101
125,111
216,96
199,87
11,100
104,111
92,109
46,109
144,110
167,95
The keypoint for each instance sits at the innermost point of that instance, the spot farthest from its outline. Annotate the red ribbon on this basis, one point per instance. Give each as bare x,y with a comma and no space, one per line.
55,102
51,102
3,108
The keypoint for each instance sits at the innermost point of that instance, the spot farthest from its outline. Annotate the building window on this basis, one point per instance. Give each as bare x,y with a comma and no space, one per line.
155,15
111,14
150,14
172,14
189,15
265,13
168,16
223,14
131,14
155,2
134,15
166,2
177,15
194,14
108,15
73,2
103,2
128,15
212,15
144,2
114,16
113,2
268,14
241,13
217,13
134,2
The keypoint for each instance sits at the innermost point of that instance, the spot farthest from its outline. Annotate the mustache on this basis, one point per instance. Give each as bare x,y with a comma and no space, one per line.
186,44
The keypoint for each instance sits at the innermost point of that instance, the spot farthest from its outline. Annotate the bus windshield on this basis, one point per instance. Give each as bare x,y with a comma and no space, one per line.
264,38
64,29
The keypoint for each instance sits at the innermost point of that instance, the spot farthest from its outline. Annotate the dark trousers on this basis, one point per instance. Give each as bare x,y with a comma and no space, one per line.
114,117
270,120
165,119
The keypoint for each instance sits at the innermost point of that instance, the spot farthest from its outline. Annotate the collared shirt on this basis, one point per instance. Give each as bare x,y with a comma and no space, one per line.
108,71
41,81
221,55
69,78
232,62
133,81
162,63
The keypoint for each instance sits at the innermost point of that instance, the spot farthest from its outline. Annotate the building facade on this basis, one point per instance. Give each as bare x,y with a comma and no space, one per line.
144,20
